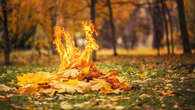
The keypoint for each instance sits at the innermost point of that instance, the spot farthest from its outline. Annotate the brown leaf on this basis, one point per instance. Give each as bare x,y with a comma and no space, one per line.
5,88
125,86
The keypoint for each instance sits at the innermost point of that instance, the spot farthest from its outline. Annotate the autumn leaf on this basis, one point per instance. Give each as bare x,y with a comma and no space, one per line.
29,89
113,81
106,90
72,82
85,69
65,105
5,88
32,78
168,92
70,73
113,73
83,87
99,84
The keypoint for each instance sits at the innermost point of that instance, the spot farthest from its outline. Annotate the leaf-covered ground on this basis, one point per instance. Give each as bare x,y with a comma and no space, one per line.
158,82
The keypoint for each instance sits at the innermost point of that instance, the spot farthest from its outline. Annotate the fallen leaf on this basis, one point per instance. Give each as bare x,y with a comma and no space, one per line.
65,106
119,107
5,88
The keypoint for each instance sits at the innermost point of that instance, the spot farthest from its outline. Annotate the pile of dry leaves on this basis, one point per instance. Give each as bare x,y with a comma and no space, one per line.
77,73
71,81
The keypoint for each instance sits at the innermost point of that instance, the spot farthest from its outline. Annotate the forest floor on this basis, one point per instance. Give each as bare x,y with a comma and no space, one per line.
158,82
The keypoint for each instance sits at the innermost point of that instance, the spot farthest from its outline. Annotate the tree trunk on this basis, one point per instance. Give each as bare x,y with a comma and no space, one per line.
183,28
93,21
171,29
165,25
172,38
112,27
158,30
6,34
53,14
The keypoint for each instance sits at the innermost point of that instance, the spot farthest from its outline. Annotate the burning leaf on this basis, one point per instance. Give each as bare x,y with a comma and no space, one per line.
70,55
77,73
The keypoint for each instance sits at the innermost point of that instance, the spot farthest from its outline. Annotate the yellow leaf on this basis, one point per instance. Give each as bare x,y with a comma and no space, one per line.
65,105
106,90
83,87
72,82
85,69
28,89
100,84
73,73
33,78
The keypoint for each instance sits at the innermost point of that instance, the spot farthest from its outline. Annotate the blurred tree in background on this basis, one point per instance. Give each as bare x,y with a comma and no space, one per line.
190,19
183,27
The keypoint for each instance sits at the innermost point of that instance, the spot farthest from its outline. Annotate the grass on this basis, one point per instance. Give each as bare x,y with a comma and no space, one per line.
150,76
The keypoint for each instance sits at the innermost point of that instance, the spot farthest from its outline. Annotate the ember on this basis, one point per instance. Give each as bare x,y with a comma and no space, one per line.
77,72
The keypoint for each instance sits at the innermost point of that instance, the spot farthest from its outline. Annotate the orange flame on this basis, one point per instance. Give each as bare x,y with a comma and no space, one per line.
70,55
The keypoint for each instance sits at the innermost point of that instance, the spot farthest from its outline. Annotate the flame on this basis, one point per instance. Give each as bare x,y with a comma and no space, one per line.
70,55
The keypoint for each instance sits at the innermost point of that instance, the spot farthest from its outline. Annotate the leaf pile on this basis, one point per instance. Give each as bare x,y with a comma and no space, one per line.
70,81
77,73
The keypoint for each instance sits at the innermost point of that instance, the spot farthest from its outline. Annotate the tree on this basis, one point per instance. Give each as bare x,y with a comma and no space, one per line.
190,20
112,27
165,24
6,33
158,30
170,17
92,10
183,28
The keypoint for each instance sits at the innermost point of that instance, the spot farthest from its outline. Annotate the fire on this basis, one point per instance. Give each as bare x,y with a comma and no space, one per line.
70,55
77,72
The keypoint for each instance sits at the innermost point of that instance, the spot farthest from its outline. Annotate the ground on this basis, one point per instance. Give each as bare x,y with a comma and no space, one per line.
158,82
